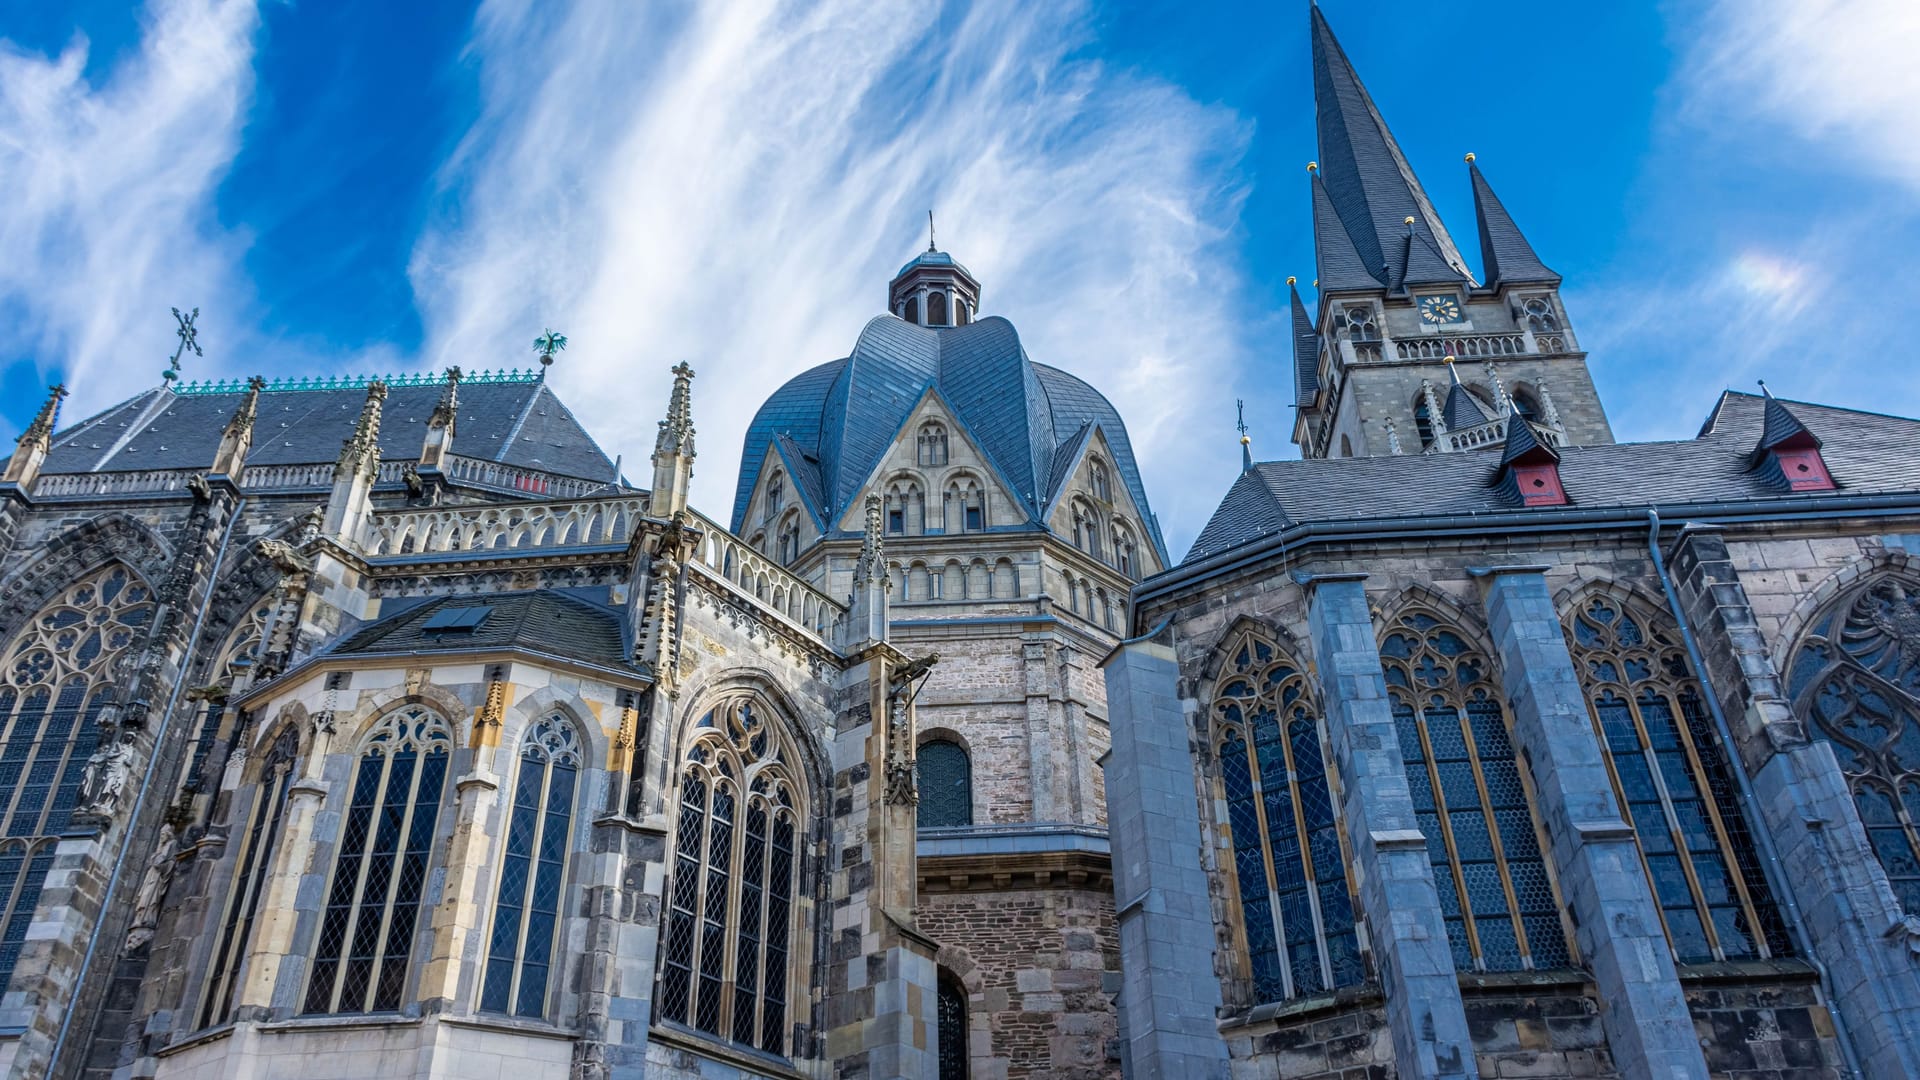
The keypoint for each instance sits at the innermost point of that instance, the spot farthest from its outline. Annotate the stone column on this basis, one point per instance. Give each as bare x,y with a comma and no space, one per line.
459,940
1390,861
622,885
1170,996
1616,919
1040,759
1858,930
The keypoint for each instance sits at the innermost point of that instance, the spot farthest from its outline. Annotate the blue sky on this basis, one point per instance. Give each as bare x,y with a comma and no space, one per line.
1730,187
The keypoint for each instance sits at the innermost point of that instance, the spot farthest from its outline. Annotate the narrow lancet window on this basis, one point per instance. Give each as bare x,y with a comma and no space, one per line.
526,918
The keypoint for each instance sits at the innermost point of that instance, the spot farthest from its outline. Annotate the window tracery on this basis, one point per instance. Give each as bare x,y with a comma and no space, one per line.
1099,480
1672,782
1541,317
933,444
735,876
240,654
946,784
56,681
258,838
1855,680
526,916
1296,909
380,872
1497,893
1360,323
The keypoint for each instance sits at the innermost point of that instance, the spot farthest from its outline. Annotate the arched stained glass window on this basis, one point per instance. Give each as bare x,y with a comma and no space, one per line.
946,784
1673,784
1287,858
241,652
952,1034
1855,680
526,919
52,689
258,838
380,871
1475,808
735,874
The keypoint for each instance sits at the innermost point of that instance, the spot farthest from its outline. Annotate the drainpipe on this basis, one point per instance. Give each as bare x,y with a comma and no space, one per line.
140,801
1749,804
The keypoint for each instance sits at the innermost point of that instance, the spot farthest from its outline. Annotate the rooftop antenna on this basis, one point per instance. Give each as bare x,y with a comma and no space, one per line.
1246,441
189,336
930,246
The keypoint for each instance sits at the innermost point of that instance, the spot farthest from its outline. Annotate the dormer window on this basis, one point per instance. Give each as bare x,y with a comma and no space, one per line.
1788,454
933,444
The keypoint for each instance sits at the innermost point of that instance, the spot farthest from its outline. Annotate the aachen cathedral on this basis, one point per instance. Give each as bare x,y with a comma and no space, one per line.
381,728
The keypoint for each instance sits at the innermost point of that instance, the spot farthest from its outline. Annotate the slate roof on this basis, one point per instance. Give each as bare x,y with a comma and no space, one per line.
1781,428
1461,410
933,258
1866,453
541,621
1369,183
516,423
1505,254
843,415
1306,351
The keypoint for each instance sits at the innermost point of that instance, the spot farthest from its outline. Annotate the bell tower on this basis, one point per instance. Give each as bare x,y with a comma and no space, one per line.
1406,350
934,289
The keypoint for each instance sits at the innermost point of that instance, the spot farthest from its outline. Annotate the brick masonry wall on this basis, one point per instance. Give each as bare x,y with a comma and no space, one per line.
1041,966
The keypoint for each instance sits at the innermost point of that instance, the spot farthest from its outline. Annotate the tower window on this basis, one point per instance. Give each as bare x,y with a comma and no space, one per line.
936,308
952,1033
962,314
946,784
912,314
1423,423
896,519
974,523
933,444
776,495
1360,323
1540,315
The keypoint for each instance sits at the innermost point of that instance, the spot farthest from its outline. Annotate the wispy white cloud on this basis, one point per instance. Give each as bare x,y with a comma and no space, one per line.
106,218
733,185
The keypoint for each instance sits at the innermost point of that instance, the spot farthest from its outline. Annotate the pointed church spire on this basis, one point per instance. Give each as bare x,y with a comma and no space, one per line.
231,457
1462,411
673,452
1505,254
1339,262
1369,182
1306,350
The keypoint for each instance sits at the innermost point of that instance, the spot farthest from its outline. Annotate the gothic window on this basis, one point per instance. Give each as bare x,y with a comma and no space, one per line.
386,838
1525,405
913,310
1673,784
526,919
1540,315
946,784
1423,421
1474,807
735,875
1360,323
962,314
965,499
240,654
1855,680
56,681
1097,477
258,838
936,308
776,495
1123,551
952,1034
933,444
1295,907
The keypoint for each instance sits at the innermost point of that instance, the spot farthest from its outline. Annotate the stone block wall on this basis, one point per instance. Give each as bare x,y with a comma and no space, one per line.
1348,1040
1759,1027
1041,966
1544,1026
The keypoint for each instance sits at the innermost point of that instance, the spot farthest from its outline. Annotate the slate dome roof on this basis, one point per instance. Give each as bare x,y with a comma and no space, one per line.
833,423
933,258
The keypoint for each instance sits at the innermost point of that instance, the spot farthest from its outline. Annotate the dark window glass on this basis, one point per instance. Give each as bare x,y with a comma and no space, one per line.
953,1031
727,957
526,915
936,309
261,835
1295,907
946,784
372,906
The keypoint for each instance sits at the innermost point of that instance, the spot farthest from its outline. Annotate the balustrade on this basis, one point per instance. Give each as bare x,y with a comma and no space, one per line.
513,526
764,581
1462,346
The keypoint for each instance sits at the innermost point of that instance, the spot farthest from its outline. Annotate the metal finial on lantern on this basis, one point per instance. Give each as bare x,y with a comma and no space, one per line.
547,344
189,336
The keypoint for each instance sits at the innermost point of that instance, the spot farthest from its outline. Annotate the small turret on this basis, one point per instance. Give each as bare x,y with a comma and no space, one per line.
438,442
867,614
1505,255
31,450
1529,472
355,471
934,289
1788,454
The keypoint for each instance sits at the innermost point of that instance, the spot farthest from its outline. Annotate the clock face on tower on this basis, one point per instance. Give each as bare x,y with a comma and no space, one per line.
1439,309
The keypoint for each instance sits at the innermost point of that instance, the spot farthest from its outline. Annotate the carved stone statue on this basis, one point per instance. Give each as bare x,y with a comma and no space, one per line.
153,887
105,776
310,526
283,556
902,783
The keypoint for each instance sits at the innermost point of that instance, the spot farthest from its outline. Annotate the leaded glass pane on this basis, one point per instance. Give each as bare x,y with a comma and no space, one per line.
946,784
532,871
1288,867
734,879
1672,780
952,1021
250,875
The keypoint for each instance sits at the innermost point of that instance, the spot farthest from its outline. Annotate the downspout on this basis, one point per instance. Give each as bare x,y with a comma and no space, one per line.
1750,804
140,801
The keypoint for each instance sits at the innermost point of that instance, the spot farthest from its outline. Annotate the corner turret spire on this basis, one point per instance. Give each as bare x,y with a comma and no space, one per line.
31,450
673,451
231,457
1306,350
1505,255
1370,185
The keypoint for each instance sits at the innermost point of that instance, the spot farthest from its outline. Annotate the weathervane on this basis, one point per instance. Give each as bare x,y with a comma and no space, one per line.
547,344
189,336
1246,441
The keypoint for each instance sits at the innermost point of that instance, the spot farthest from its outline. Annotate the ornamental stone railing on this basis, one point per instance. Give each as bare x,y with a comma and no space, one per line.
1462,346
507,527
77,485
492,474
1491,433
764,582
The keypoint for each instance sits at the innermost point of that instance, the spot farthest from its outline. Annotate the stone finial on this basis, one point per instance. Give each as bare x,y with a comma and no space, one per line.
31,449
237,439
447,409
360,451
1547,412
1500,398
1393,437
1435,416
673,451
872,561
